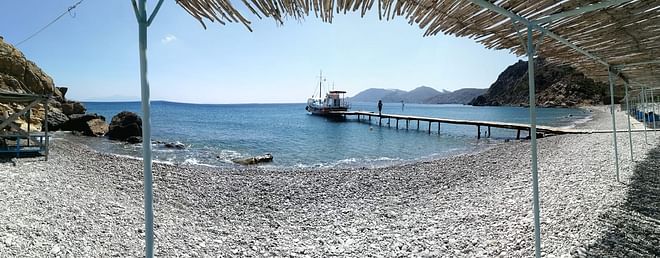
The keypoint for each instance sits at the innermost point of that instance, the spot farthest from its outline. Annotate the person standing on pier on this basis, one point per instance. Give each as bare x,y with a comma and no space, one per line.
402,105
380,106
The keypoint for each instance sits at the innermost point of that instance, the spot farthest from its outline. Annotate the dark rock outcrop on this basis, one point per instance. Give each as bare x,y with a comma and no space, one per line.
63,91
254,160
175,145
134,139
556,86
56,120
86,124
72,107
124,125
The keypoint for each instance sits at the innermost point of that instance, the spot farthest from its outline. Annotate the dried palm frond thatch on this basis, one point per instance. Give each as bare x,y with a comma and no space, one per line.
620,34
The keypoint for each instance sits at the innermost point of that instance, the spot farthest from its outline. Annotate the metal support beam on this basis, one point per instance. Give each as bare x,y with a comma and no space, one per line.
532,119
581,10
613,112
513,16
625,86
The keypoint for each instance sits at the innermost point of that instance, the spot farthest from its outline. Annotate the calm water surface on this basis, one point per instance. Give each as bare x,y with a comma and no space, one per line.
214,134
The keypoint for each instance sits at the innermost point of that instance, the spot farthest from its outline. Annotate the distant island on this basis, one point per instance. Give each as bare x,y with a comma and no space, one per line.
421,95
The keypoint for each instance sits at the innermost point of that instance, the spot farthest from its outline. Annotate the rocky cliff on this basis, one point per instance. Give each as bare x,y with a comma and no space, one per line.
20,75
556,86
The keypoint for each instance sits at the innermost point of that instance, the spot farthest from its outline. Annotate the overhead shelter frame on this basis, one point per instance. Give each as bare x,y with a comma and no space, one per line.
599,38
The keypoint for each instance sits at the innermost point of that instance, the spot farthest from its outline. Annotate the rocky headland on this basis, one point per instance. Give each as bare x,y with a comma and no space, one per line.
20,75
556,86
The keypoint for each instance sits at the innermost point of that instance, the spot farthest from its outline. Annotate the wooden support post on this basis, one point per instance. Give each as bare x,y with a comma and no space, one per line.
478,132
397,124
417,124
388,122
380,121
438,127
358,117
369,117
518,135
489,132
429,127
407,121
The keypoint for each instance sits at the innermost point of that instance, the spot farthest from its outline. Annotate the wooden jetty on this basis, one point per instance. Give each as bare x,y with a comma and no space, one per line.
479,124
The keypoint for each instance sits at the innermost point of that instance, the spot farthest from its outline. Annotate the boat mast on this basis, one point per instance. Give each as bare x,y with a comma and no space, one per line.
320,80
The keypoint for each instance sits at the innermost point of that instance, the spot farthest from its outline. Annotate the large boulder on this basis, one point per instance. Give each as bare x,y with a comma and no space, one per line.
86,124
72,107
55,120
124,125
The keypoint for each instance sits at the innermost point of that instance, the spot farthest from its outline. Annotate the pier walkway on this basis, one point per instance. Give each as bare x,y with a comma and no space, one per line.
542,130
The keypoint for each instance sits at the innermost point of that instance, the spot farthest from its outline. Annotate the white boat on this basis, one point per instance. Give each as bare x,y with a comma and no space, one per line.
333,102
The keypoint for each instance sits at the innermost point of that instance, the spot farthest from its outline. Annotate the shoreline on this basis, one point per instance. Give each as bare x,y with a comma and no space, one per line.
87,203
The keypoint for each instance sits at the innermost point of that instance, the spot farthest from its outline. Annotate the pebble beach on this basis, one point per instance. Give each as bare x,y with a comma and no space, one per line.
83,203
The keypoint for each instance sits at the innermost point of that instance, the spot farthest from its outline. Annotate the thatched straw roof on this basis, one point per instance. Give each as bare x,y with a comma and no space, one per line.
620,34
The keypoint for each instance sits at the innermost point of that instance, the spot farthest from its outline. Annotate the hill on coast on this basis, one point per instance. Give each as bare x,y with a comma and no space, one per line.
556,86
422,95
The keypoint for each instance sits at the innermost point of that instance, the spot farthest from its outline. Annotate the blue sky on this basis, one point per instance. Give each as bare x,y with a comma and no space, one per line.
94,52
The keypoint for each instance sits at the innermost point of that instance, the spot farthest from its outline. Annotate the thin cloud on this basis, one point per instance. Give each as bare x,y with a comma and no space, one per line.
168,38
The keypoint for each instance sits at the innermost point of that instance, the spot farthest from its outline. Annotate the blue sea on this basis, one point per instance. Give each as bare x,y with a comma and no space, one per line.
216,133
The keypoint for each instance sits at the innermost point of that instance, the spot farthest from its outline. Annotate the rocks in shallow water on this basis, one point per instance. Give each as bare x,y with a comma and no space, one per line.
170,145
87,124
134,139
124,125
254,160
175,145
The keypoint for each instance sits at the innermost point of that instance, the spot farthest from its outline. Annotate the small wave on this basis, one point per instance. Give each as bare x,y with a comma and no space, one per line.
196,162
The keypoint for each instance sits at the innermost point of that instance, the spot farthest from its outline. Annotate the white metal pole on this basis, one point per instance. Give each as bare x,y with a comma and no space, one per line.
532,120
625,86
653,109
146,130
646,139
613,110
